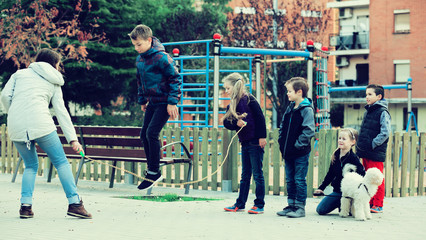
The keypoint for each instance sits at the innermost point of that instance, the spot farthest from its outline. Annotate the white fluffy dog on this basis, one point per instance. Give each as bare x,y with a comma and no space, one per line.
357,191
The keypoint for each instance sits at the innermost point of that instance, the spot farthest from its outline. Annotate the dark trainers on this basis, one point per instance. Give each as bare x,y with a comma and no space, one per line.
26,212
255,210
234,208
151,179
77,210
297,213
285,211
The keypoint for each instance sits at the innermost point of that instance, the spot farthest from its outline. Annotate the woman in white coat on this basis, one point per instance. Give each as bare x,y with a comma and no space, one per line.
26,98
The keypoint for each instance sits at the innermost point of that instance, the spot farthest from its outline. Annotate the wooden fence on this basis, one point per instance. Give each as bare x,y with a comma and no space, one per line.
404,166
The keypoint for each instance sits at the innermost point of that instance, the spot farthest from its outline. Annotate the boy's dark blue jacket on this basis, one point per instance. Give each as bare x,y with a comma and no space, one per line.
158,80
296,130
256,127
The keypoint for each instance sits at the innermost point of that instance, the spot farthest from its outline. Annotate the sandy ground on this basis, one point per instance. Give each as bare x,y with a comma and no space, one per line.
113,218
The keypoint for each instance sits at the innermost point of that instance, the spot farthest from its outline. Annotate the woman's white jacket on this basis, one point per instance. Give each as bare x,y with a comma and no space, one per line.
26,98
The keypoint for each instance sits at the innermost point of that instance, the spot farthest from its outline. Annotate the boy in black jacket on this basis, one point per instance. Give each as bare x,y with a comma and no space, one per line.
296,130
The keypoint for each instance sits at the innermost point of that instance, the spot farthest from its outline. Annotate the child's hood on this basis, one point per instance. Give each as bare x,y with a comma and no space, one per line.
156,46
382,102
307,102
47,72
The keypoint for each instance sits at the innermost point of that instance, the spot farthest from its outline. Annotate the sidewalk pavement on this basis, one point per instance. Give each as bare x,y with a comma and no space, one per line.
119,218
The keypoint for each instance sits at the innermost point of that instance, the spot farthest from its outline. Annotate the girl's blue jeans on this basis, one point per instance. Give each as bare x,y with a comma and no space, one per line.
52,146
329,203
295,174
252,158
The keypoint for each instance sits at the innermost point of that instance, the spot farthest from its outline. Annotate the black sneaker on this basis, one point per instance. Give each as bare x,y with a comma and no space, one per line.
151,179
26,212
78,210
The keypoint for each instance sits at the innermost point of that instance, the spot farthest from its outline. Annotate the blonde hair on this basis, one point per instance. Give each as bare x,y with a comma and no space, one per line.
353,135
238,91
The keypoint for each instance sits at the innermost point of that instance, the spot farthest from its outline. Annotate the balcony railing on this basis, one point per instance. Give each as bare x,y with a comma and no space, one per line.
356,40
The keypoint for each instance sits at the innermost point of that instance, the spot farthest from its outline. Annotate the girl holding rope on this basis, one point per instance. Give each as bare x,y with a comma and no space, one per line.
26,98
244,111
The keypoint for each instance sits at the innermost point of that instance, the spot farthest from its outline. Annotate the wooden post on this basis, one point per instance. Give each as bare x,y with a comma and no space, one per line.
276,159
205,157
404,163
226,163
266,162
421,188
396,156
413,162
388,166
214,157
196,156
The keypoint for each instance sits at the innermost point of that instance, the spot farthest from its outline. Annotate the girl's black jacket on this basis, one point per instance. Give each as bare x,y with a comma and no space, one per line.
334,174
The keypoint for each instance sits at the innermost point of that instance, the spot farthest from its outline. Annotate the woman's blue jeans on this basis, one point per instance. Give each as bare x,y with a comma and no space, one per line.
252,158
155,118
52,146
295,173
329,203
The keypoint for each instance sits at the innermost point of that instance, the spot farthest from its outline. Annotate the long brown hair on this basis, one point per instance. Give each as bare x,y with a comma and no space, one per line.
238,91
49,56
353,135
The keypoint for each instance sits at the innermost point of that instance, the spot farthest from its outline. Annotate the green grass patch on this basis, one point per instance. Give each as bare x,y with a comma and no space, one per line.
169,197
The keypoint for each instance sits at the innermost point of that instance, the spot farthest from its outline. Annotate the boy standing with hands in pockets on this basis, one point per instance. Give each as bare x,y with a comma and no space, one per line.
158,94
373,138
296,130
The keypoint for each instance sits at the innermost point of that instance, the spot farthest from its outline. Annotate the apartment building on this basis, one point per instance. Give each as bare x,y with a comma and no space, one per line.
381,42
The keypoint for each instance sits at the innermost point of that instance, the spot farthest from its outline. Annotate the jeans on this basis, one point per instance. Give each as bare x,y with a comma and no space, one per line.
156,117
296,170
252,158
329,203
53,147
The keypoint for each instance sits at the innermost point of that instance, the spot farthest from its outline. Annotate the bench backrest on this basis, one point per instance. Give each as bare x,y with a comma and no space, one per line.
105,143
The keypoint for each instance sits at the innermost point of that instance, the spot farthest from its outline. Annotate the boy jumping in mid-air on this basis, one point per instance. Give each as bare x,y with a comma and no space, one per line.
158,93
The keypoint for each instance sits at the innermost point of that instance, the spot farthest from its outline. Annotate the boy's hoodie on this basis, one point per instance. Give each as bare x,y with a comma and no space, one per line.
296,130
374,132
157,78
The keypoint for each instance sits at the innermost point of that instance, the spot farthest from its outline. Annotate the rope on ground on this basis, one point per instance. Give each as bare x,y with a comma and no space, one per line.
173,184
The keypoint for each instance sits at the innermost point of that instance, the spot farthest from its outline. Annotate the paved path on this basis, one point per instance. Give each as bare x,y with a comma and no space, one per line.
118,218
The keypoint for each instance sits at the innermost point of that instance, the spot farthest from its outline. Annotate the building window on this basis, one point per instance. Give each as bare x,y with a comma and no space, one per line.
402,70
402,21
245,10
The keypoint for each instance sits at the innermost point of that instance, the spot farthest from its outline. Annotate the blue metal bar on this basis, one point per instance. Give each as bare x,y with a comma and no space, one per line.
189,57
193,105
185,121
187,42
264,51
360,88
192,73
193,89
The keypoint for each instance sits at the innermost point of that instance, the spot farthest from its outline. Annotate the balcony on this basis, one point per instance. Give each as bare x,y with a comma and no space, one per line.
349,4
356,43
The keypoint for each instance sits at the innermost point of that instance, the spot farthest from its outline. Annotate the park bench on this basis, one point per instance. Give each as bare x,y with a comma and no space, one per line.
113,144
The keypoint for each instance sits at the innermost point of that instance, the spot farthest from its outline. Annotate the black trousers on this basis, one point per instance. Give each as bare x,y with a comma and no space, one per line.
156,117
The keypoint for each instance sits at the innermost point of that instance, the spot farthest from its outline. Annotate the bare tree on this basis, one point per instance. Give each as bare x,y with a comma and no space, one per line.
250,25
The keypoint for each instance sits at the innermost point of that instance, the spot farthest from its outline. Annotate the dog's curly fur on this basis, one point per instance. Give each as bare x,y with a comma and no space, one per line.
357,191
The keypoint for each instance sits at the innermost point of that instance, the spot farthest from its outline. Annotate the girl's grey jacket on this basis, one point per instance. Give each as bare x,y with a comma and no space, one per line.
26,98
